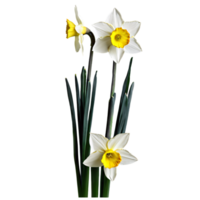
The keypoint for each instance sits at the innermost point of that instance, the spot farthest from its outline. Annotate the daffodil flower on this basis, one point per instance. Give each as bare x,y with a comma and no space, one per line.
117,36
76,31
109,153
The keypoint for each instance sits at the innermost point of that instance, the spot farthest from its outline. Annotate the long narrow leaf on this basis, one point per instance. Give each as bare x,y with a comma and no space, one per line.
95,181
85,74
128,107
92,102
82,104
79,117
83,88
116,118
126,82
105,184
74,136
94,171
85,172
85,120
122,114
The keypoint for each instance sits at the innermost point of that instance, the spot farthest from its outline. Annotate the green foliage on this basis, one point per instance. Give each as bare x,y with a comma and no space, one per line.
123,106
128,108
71,103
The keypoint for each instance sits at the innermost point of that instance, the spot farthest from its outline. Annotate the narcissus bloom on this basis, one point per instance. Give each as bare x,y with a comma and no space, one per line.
76,31
109,153
117,36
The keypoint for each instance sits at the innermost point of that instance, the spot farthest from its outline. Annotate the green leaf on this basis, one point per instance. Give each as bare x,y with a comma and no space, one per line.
105,184
83,89
124,91
128,107
85,181
73,126
85,172
85,120
92,102
126,82
79,117
95,181
122,116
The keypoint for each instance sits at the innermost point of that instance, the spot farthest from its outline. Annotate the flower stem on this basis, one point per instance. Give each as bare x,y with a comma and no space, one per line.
113,79
92,38
107,185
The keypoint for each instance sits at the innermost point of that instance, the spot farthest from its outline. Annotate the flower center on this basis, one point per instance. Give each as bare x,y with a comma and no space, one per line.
120,37
117,37
111,159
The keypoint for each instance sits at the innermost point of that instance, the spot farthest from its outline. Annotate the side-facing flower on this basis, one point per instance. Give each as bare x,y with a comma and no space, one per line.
117,36
109,153
76,31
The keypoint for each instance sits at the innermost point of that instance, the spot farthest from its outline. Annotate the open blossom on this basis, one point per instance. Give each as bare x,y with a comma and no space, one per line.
109,153
117,36
76,31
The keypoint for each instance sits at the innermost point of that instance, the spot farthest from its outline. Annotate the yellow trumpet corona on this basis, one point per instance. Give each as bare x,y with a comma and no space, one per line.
120,37
70,30
111,159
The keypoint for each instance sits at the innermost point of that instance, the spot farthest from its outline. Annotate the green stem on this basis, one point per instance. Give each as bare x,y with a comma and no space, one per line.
92,38
105,182
113,79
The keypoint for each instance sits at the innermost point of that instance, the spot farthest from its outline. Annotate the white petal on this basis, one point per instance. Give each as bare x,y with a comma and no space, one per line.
132,46
78,29
78,18
103,29
77,44
115,18
102,45
132,27
116,53
98,142
82,45
127,157
111,173
119,141
83,21
94,159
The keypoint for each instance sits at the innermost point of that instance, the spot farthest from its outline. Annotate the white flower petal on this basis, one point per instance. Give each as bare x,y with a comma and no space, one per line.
94,159
102,45
77,44
110,173
127,157
78,29
116,53
82,45
83,21
119,141
132,46
103,29
132,27
115,18
78,18
98,142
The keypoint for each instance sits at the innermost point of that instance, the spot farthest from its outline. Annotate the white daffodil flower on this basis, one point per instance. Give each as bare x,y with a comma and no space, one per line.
77,31
109,153
117,36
